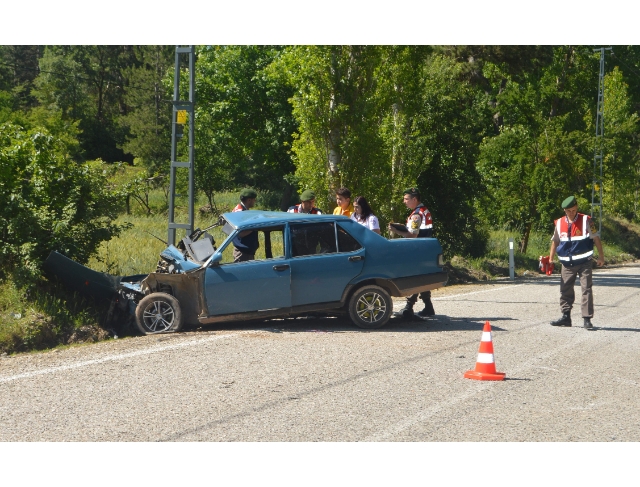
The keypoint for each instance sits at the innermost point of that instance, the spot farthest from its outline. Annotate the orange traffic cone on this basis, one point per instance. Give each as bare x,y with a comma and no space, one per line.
485,365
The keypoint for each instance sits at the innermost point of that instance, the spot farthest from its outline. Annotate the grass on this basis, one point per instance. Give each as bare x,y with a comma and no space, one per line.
136,251
620,242
46,315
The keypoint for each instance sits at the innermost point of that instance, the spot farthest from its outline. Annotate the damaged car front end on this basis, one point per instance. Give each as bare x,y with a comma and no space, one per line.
162,301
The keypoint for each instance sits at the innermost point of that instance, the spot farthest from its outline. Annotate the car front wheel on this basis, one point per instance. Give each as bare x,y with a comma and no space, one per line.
370,307
158,313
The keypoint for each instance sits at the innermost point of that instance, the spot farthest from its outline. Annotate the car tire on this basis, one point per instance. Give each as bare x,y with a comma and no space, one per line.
370,307
158,313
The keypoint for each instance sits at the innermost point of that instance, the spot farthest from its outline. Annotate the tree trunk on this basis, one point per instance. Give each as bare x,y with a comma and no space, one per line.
334,136
524,243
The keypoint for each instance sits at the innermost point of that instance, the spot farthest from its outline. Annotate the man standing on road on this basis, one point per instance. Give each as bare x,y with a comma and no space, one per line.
419,225
573,241
245,243
307,200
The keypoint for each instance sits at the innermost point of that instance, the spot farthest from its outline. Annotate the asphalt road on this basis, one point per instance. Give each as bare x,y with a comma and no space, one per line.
322,379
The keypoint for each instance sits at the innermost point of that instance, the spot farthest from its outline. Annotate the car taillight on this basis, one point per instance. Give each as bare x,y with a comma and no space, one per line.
440,260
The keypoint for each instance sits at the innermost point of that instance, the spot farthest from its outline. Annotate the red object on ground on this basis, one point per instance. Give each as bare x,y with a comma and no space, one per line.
544,264
485,364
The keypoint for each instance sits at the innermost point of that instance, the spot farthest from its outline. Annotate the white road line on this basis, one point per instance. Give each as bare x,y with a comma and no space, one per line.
121,356
474,390
477,292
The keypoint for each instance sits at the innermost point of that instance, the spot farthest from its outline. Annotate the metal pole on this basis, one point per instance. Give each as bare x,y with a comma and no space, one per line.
183,112
511,261
171,236
192,116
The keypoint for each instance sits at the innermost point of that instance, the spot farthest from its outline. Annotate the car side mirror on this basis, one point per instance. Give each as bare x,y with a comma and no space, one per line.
215,259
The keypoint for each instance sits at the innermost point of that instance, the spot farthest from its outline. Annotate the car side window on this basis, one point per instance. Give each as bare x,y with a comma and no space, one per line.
312,239
346,243
271,246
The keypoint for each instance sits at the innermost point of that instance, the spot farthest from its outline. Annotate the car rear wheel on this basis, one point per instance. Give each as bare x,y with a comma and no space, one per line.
370,307
158,313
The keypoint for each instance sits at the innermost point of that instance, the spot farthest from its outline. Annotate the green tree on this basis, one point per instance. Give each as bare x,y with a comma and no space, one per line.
244,123
621,166
49,202
542,151
87,84
378,119
148,117
18,69
333,103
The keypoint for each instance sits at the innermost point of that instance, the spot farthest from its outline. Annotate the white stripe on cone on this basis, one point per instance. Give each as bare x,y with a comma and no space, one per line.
485,358
486,336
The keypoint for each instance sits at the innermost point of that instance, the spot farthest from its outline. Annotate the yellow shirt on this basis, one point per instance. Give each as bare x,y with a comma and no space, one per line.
340,211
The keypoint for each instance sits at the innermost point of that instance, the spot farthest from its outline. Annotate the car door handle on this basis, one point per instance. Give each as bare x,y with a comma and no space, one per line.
355,258
281,267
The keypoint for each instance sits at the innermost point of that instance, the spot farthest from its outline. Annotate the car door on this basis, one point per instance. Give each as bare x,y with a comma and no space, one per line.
255,285
324,259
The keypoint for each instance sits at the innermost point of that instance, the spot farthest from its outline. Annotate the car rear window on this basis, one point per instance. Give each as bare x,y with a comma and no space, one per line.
312,239
346,243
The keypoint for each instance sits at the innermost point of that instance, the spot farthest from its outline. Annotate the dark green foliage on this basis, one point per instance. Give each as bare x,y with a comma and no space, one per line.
494,136
244,124
49,202
148,117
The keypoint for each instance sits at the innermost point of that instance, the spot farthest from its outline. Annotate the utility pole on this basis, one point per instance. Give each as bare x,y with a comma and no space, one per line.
596,189
183,114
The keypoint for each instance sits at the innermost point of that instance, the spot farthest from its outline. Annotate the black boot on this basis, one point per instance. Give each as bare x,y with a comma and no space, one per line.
428,306
406,312
587,324
564,321
427,311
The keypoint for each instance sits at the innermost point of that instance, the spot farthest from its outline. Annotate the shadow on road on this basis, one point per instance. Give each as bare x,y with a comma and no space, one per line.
616,280
604,280
331,324
615,329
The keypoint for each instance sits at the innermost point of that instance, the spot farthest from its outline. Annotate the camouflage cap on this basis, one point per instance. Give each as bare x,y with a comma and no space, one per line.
412,192
307,195
569,202
248,193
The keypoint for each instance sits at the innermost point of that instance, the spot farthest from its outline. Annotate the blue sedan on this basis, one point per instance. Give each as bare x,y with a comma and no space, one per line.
304,264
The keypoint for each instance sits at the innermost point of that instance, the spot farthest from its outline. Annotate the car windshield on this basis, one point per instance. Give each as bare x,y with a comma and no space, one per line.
227,228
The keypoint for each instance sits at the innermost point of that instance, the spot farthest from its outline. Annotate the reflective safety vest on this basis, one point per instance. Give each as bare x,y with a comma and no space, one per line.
576,244
297,209
426,222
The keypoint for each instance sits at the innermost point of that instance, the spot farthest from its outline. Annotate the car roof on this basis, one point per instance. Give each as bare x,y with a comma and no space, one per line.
249,218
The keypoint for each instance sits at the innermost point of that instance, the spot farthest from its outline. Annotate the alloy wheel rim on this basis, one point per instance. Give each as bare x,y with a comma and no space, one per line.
371,307
158,316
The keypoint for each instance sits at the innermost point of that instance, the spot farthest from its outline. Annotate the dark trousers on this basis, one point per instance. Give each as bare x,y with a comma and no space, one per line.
426,299
567,293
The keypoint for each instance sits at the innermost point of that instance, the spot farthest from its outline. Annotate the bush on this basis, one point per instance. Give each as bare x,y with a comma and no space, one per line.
49,202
